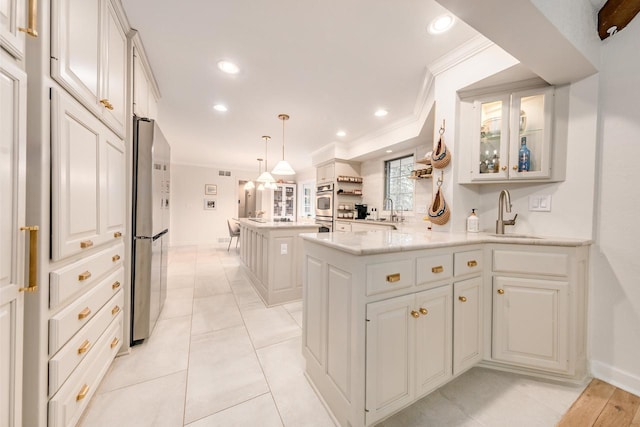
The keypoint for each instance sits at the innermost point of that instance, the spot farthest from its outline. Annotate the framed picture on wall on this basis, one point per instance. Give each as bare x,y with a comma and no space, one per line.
209,204
210,189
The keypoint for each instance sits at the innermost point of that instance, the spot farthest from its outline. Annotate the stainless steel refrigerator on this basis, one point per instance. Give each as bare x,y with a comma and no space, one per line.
151,185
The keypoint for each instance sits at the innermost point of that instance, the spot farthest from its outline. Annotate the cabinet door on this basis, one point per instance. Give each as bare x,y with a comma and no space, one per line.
13,97
114,190
140,87
491,145
433,339
314,308
12,17
390,374
530,322
325,173
467,324
115,72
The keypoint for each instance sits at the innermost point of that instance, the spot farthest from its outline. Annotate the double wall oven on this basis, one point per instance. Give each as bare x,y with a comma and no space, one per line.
324,207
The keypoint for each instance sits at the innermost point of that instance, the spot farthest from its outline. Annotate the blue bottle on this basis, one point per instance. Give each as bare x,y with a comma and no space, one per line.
524,156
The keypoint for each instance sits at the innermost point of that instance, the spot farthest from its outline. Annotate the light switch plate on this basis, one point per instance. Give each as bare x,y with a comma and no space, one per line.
540,203
283,249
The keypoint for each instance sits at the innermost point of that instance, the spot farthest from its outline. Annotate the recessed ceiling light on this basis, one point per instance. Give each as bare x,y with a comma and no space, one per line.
228,67
441,24
389,151
381,113
220,107
341,133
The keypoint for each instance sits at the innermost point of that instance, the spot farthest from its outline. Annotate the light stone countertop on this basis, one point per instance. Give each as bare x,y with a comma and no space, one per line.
269,224
387,241
369,221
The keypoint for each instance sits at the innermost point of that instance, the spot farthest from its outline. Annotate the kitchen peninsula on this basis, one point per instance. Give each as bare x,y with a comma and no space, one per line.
272,253
391,316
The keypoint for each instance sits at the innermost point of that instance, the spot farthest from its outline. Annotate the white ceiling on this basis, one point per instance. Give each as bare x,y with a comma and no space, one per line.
329,65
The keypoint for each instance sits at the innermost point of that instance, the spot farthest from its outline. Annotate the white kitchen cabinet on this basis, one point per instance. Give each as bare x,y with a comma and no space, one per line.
325,173
467,324
284,202
342,226
88,180
12,19
371,226
145,92
330,171
89,56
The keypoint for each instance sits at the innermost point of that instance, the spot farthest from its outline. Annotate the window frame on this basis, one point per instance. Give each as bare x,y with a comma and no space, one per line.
387,182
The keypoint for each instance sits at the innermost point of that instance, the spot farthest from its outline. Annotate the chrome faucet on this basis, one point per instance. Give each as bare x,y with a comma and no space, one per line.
391,215
500,223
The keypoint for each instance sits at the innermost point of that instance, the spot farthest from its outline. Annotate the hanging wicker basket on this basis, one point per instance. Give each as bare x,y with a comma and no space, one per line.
438,212
441,155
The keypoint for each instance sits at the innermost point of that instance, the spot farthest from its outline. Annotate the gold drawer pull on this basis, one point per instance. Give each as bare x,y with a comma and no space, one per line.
391,278
84,347
415,314
114,342
115,258
115,309
424,311
32,28
117,234
84,276
438,269
106,104
472,263
501,291
86,244
83,392
84,313
463,299
115,285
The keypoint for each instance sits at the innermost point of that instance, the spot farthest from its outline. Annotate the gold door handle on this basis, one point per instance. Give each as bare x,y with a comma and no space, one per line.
424,311
472,263
391,278
504,168
115,258
84,276
415,314
115,285
83,393
437,269
106,104
501,291
84,347
86,244
117,234
32,284
463,299
84,313
32,29
115,310
114,342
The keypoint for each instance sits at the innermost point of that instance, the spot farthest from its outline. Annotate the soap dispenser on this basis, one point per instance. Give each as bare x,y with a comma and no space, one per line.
473,222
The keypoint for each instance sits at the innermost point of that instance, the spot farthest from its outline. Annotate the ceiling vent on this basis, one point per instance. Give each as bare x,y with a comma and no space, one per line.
224,173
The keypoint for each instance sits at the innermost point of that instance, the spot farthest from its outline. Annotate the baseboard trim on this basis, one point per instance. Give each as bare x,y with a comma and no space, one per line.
616,377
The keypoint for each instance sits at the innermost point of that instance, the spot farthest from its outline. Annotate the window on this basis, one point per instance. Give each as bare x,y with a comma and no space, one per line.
397,185
306,199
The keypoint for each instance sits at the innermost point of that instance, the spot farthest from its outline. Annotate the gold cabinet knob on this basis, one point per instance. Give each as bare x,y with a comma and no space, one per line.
463,299
86,244
115,258
84,347
83,392
504,168
106,104
515,168
115,285
84,313
114,342
115,310
117,234
501,291
84,276
423,311
472,263
437,269
391,278
415,314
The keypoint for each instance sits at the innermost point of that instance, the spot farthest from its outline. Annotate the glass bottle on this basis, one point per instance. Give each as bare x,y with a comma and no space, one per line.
524,156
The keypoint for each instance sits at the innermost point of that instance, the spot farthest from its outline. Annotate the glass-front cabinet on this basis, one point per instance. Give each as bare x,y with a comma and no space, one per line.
512,136
284,202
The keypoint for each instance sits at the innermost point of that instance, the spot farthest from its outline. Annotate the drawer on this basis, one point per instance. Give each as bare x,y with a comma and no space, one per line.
65,324
467,262
343,226
389,276
526,262
75,351
434,267
67,405
67,281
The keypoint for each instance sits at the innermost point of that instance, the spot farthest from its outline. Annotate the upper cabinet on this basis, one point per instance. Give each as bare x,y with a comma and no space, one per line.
13,25
145,89
89,56
509,136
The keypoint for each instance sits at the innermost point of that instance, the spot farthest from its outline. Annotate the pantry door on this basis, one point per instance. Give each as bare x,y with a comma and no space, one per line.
13,86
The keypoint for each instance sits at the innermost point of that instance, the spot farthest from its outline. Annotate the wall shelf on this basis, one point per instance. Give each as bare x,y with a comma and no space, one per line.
424,161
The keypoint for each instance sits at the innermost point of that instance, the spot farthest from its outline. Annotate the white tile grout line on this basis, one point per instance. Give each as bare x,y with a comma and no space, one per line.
186,381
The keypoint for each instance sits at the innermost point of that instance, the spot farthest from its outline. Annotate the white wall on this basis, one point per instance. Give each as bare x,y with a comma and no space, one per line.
615,298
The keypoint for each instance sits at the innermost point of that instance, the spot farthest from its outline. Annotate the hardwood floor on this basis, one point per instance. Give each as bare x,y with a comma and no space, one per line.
602,404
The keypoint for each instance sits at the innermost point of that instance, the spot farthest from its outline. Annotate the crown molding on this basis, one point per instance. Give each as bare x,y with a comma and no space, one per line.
465,51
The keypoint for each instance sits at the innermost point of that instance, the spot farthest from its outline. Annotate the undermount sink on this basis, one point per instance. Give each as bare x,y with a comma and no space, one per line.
515,236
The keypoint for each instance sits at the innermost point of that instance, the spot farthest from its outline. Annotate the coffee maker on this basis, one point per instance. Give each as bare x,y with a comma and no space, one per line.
361,211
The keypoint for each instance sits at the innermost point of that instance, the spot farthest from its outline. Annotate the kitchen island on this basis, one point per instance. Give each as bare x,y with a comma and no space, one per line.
272,254
391,316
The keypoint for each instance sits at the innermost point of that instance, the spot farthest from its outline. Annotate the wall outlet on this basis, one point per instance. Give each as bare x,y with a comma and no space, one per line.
283,249
540,203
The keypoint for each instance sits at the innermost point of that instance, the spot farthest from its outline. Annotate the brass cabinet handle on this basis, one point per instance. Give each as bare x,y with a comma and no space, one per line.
84,347
115,258
501,291
32,284
32,29
515,168
472,263
115,309
504,168
115,285
391,278
84,313
84,276
424,311
86,244
114,342
106,104
83,392
117,234
437,269
463,299
415,314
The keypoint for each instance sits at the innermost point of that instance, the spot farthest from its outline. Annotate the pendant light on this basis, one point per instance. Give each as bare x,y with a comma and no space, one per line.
266,176
250,185
283,167
260,185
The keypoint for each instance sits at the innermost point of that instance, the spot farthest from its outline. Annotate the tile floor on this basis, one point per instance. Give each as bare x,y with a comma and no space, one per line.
219,357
